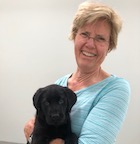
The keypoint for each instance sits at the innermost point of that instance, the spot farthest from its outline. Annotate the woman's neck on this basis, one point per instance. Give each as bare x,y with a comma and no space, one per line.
81,80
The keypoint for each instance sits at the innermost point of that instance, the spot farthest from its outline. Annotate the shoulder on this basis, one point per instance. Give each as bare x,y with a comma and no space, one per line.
114,89
118,83
113,84
117,90
63,80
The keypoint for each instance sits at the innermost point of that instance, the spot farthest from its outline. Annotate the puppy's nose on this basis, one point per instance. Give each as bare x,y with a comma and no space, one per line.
55,116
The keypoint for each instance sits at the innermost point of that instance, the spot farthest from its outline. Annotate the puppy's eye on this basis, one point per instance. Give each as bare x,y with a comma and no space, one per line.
47,103
61,101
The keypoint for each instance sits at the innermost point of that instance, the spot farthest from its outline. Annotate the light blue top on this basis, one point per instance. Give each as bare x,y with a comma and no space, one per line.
100,110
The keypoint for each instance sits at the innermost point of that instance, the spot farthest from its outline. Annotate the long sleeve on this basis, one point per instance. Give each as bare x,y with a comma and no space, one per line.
105,119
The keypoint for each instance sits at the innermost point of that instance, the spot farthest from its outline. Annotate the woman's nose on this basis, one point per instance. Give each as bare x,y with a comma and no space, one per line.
90,42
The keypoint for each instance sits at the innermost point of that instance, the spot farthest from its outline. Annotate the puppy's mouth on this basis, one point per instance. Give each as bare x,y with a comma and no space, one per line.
56,119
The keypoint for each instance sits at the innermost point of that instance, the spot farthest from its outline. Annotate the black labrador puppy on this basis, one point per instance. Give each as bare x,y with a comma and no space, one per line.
53,104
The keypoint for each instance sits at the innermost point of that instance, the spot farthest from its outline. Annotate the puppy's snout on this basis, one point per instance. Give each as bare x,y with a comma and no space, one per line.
55,116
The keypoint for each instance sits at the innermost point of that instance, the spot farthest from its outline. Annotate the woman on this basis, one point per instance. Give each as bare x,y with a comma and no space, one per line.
102,98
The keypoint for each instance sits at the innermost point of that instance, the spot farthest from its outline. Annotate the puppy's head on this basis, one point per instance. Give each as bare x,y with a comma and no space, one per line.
53,103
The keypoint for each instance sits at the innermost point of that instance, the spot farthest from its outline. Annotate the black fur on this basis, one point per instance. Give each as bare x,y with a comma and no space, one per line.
53,105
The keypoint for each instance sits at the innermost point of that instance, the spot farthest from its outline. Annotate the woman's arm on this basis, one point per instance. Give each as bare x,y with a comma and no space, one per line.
57,141
28,128
105,119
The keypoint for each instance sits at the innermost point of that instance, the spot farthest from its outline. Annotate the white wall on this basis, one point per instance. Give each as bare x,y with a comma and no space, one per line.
35,51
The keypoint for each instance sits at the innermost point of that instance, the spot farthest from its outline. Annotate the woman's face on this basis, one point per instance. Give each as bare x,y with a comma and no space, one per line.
92,44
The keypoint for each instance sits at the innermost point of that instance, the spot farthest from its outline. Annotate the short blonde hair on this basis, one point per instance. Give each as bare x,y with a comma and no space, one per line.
90,12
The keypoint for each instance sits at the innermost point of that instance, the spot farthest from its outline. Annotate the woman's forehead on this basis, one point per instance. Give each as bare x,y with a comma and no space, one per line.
102,27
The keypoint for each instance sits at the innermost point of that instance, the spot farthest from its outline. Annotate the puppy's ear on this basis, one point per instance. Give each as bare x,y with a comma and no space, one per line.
71,96
37,97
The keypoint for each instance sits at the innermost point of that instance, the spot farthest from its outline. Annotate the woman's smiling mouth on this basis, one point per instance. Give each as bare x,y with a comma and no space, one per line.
88,54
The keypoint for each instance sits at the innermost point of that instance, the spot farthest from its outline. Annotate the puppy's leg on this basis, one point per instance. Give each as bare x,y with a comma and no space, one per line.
71,139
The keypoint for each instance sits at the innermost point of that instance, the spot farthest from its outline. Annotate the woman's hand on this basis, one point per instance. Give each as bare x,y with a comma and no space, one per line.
28,129
57,141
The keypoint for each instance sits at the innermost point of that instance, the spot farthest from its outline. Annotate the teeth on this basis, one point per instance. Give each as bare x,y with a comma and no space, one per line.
88,54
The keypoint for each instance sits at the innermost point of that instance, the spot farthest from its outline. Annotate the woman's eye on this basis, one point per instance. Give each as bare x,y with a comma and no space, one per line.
98,38
47,103
84,35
